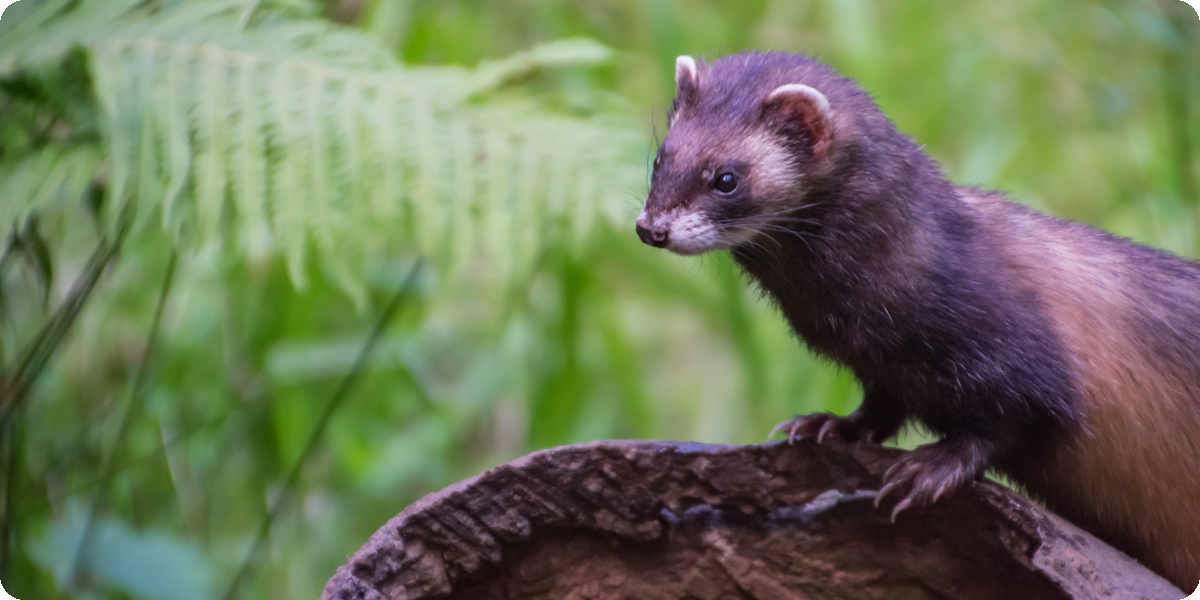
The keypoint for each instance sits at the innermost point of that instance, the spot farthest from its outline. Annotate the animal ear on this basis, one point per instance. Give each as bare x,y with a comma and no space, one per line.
687,80
799,104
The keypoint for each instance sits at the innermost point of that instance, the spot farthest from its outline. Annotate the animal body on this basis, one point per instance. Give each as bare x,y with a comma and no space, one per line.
1060,355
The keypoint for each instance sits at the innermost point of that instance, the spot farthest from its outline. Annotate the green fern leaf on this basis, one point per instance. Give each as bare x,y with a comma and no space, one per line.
298,137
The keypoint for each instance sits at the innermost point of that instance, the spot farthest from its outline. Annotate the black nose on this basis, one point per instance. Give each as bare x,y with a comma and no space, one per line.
655,236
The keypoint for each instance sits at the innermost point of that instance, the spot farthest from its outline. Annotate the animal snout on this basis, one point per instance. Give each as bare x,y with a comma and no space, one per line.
655,235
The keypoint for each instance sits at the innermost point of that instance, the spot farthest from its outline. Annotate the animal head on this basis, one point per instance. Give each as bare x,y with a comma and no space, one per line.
749,136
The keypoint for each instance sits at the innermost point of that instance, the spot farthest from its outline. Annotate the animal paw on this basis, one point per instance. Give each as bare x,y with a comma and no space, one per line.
925,475
818,426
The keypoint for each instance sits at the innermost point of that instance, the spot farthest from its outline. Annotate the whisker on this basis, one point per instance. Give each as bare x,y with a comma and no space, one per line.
755,245
753,239
765,227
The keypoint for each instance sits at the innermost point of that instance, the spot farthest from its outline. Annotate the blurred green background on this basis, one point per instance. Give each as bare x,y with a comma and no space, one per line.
277,176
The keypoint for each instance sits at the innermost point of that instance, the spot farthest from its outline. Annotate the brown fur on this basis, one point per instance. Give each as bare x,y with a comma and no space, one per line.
1139,412
1060,355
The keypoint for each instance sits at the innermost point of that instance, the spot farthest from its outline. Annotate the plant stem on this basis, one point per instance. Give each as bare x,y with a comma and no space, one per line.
133,409
335,401
43,347
8,528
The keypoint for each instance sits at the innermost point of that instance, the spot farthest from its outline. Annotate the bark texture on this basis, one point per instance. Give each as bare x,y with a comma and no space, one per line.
657,520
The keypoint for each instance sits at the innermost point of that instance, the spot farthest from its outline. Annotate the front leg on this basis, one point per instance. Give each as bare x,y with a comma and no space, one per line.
934,470
876,420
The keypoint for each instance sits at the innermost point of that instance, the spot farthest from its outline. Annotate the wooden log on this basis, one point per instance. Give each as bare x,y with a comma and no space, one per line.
658,520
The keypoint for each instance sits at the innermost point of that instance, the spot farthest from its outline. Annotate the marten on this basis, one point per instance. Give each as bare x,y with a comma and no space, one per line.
1054,353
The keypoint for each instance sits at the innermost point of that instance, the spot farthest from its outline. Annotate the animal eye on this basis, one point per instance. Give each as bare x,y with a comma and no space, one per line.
725,182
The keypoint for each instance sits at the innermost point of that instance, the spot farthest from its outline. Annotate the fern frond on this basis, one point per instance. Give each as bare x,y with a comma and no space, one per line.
36,33
306,139
53,179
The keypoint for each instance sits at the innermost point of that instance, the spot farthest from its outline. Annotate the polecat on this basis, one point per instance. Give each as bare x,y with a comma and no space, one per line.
1060,355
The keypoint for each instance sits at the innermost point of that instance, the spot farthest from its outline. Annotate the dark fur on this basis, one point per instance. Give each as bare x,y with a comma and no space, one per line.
935,297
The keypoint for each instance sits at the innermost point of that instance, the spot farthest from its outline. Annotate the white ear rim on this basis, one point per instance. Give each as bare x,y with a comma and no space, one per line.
815,97
685,67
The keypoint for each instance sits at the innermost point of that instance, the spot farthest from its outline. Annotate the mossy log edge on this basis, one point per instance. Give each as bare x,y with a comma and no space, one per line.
645,519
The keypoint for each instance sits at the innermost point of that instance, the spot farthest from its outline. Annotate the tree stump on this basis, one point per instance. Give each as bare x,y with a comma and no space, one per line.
657,520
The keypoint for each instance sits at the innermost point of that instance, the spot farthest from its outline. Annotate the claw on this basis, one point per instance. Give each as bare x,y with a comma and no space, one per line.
900,506
941,490
780,427
888,475
883,492
900,471
825,429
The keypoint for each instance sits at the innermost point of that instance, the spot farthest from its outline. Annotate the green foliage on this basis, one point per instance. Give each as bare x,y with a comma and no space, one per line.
258,133
152,566
271,147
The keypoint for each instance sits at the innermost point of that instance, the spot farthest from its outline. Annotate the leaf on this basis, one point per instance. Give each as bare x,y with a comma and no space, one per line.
38,253
295,136
149,565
